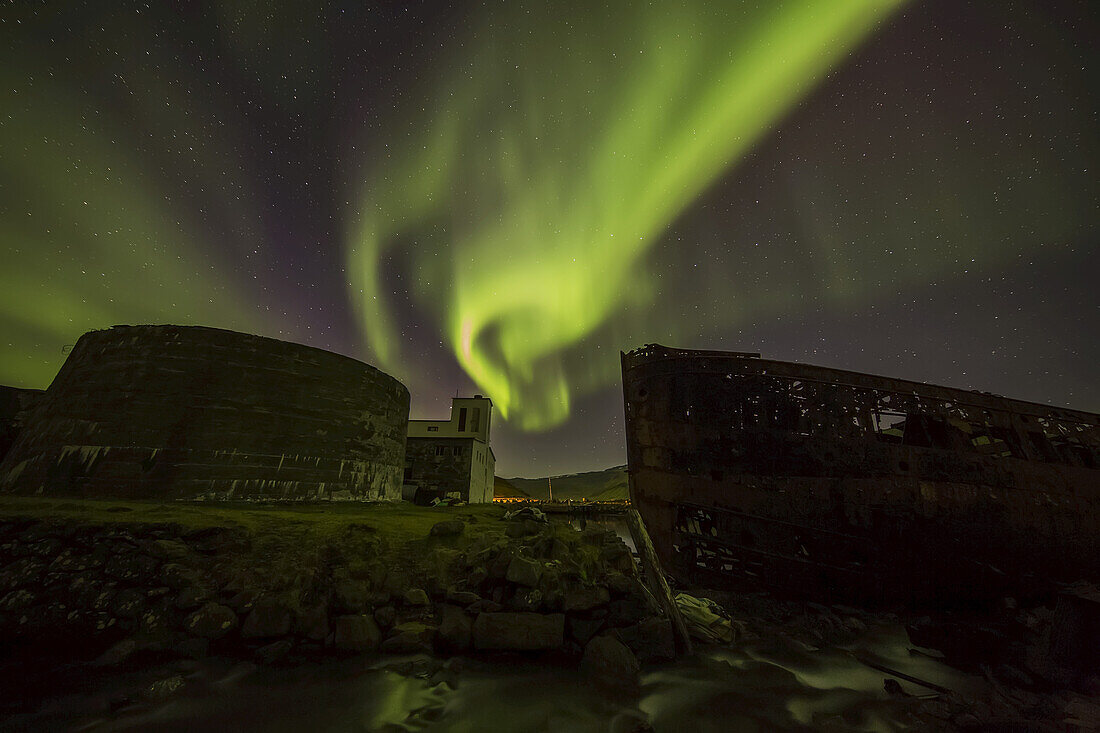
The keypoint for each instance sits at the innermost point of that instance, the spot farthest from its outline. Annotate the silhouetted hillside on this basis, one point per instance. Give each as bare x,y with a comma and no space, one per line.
603,485
504,489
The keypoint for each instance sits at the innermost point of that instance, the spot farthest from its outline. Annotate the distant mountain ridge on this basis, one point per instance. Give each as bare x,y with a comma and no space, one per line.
606,485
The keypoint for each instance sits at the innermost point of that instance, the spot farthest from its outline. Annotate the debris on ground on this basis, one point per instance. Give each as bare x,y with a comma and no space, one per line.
705,619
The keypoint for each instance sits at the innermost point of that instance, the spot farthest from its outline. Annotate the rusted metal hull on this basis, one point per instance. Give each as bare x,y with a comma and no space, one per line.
821,481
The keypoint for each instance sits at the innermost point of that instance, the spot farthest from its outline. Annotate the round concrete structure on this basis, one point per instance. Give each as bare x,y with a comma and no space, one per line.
187,412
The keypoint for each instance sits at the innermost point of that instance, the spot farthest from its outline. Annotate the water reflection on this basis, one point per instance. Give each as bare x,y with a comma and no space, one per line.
608,521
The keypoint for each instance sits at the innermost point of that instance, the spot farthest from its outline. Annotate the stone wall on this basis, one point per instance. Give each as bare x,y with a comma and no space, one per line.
168,588
15,405
183,412
439,473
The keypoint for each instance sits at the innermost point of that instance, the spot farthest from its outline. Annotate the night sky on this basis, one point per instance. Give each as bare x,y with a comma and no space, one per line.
498,197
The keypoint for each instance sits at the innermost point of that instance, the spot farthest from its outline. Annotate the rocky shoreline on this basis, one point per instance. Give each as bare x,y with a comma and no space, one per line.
111,589
472,584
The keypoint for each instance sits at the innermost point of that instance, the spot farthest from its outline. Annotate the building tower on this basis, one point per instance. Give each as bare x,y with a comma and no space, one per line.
451,457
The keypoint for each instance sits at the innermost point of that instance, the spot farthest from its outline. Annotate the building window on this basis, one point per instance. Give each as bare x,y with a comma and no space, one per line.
458,450
433,428
461,419
475,419
440,450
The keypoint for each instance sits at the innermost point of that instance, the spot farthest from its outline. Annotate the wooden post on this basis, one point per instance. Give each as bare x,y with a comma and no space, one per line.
658,586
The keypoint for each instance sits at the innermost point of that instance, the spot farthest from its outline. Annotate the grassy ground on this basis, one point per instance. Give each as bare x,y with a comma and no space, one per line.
400,521
288,547
301,551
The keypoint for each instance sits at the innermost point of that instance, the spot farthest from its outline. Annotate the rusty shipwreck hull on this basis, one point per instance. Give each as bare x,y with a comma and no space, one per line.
821,481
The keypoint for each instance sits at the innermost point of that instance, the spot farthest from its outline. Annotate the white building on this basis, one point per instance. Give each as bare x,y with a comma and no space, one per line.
449,457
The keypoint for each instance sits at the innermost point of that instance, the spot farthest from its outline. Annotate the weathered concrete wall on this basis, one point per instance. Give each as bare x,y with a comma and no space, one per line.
15,405
808,478
189,412
432,465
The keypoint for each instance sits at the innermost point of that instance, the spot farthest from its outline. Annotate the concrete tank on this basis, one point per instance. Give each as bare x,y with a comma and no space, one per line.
186,412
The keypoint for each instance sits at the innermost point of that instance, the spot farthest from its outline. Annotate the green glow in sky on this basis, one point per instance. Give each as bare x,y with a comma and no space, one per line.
90,239
531,186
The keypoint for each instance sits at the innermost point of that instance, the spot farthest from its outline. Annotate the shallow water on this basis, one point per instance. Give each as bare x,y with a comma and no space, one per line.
608,521
777,684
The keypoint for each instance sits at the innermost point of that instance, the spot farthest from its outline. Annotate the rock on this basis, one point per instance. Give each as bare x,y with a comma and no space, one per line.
967,721
583,629
162,689
47,548
854,625
312,623
610,662
357,633
117,654
24,571
128,603
268,618
243,600
526,600
619,584
597,536
625,613
131,567
526,513
70,561
103,597
101,621
194,647
17,600
83,589
172,550
476,577
396,582
1013,676
525,528
484,606
650,640
518,631
560,550
212,621
352,596
936,709
630,721
617,555
462,597
450,528
498,566
409,638
523,571
585,598
385,616
156,623
416,597
178,576
455,629
273,652
191,597
212,540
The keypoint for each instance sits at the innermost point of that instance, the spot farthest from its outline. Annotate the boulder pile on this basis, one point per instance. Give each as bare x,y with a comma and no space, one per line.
525,585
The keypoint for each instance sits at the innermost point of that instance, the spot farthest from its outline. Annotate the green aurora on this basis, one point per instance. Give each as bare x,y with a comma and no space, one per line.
510,195
551,160
93,233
